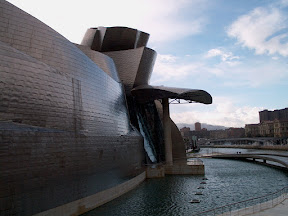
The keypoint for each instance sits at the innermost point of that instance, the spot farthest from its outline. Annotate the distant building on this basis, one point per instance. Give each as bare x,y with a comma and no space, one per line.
280,128
272,124
185,132
227,133
266,129
188,135
252,130
212,134
267,115
218,134
235,132
185,129
197,126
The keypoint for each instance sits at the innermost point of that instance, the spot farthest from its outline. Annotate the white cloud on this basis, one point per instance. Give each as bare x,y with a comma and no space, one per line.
275,58
223,111
233,63
263,30
162,19
167,58
255,74
283,3
169,67
230,73
225,56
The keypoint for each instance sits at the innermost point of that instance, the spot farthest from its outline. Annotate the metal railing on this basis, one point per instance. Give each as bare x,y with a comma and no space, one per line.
249,206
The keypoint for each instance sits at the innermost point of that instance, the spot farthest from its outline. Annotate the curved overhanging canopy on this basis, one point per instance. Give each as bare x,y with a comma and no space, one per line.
145,93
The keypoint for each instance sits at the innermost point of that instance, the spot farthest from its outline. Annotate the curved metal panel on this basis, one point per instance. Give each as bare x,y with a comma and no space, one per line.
145,93
106,39
103,61
146,67
64,123
93,38
127,63
134,66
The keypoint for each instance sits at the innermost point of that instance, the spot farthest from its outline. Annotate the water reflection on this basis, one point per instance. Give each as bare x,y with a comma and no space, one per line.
228,181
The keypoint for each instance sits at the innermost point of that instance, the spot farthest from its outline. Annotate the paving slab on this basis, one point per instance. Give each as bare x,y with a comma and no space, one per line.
280,210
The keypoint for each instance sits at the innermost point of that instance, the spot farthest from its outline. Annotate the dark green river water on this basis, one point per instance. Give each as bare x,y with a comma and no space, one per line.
228,181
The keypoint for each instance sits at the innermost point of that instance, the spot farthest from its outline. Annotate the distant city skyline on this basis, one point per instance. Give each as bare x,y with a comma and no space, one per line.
235,50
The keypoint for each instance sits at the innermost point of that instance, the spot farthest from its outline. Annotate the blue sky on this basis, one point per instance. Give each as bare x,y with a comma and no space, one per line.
236,50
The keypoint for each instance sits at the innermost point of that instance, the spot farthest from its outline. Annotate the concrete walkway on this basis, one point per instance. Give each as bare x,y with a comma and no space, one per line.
281,160
279,210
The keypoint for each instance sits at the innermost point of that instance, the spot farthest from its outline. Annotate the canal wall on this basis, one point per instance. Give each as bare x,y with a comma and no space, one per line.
285,169
271,202
184,169
280,147
88,203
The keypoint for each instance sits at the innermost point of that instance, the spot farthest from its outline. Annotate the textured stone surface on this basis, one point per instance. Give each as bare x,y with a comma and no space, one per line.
155,171
178,147
184,169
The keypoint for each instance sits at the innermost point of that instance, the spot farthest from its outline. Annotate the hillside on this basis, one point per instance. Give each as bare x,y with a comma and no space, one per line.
203,125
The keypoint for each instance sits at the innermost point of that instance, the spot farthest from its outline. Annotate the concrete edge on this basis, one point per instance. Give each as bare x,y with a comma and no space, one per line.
259,207
184,169
86,204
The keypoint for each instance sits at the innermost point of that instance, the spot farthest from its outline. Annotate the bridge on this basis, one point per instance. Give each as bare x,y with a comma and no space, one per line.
247,140
278,160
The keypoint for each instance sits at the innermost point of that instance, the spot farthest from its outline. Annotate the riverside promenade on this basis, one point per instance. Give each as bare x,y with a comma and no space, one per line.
279,210
271,204
278,160
275,204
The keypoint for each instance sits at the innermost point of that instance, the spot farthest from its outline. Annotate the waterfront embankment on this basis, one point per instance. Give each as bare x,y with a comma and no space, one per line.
279,210
263,147
227,181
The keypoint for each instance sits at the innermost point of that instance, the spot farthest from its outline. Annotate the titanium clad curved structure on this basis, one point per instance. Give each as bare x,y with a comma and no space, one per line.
114,38
67,130
146,67
82,83
64,125
103,61
134,66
